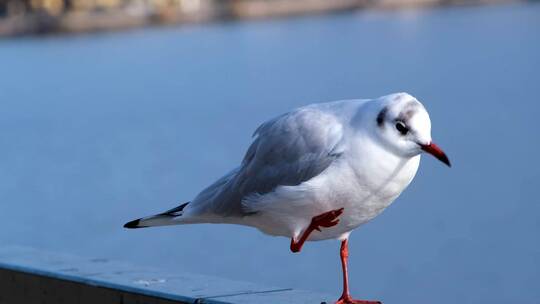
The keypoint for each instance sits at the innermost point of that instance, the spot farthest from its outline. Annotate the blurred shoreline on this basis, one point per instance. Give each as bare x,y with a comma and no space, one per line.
34,17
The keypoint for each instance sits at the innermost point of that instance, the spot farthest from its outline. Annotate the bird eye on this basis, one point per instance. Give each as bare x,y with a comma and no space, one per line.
402,128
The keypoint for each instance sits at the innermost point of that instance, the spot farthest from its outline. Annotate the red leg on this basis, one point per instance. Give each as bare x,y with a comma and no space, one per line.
327,219
346,297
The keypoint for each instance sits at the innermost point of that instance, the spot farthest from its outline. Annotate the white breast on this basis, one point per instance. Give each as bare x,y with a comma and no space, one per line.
364,182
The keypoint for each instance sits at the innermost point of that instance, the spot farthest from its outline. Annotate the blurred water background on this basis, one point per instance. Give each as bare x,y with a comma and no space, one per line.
103,128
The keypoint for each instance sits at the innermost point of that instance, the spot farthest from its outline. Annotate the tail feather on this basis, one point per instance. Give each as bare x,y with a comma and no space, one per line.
161,219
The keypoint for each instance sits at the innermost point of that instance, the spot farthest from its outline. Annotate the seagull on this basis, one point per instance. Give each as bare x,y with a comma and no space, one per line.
317,173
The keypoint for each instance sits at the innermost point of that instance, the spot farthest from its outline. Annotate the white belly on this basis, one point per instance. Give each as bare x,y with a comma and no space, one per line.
363,194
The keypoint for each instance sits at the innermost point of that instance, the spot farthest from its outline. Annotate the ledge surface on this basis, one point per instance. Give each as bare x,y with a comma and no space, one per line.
34,276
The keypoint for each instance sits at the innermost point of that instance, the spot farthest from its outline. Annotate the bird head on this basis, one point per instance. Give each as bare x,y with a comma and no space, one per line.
403,125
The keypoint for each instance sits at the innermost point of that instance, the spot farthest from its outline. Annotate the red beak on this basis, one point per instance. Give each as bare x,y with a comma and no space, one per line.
434,150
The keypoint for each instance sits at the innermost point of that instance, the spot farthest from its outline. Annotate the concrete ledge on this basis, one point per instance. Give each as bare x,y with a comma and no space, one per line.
24,287
31,276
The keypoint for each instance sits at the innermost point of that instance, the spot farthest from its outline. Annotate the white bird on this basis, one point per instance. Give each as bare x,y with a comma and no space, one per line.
317,173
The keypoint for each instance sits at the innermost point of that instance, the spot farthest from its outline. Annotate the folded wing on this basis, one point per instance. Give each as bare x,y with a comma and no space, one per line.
287,150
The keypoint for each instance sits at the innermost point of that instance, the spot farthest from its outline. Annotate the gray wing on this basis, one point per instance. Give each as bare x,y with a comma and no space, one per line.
287,150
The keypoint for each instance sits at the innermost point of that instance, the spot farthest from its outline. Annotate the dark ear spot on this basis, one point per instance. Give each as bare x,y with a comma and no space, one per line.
381,116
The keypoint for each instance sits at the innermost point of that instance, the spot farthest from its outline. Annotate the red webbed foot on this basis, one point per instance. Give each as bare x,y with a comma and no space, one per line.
324,220
349,300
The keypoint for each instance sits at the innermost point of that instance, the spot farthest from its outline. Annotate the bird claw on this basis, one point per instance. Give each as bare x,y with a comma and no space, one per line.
327,219
330,224
349,300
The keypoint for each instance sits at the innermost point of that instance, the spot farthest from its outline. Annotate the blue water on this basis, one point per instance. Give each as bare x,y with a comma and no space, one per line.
99,129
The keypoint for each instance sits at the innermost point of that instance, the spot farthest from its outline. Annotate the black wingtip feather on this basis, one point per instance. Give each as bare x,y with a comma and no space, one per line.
133,224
